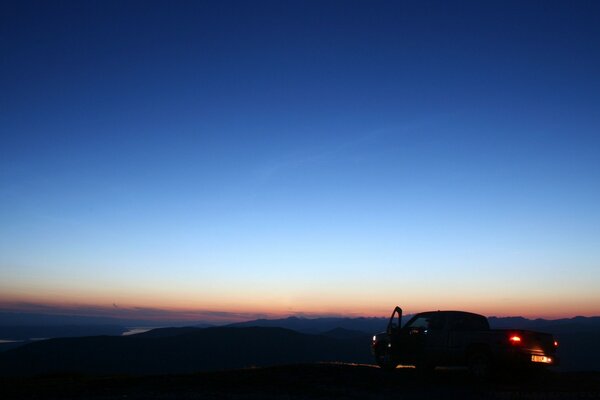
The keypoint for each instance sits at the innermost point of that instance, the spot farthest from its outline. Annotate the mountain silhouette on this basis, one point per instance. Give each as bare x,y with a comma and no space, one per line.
280,341
554,326
320,325
26,332
180,350
30,319
341,333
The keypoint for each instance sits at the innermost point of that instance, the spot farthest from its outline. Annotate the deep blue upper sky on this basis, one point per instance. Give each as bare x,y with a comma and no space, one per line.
268,154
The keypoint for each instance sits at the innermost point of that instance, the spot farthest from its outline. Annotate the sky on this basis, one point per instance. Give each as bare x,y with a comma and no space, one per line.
236,158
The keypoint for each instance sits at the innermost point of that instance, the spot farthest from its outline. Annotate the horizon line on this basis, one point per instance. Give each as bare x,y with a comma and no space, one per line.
163,315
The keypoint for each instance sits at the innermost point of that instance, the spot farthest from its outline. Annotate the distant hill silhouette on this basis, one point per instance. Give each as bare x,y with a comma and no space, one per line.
555,326
341,333
53,331
180,350
10,318
168,332
320,325
23,326
260,343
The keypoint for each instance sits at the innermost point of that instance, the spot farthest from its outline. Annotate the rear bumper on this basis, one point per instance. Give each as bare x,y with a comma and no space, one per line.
530,359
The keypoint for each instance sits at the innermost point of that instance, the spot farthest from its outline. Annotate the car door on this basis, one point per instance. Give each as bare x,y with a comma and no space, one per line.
436,338
424,338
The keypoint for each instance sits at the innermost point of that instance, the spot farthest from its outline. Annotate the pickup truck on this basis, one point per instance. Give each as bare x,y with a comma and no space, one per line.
458,338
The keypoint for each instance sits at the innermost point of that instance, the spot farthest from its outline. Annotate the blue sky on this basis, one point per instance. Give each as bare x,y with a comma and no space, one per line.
324,157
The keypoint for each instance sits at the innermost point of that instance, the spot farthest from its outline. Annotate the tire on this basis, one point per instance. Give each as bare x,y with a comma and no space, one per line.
385,362
424,363
424,368
480,366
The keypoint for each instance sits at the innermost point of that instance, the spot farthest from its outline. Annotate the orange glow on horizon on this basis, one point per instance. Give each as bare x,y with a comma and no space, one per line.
215,311
238,300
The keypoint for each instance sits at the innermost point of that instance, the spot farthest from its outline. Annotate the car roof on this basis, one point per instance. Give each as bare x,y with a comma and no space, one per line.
451,312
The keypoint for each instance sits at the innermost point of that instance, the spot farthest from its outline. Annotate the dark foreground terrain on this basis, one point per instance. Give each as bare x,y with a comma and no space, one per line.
180,351
305,381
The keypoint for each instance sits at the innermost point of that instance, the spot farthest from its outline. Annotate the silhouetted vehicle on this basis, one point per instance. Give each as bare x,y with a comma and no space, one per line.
458,338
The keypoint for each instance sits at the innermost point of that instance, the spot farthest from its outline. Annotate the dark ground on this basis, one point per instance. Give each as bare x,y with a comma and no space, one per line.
309,381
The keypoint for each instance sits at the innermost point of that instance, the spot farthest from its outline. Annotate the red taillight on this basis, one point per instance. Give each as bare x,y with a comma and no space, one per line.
515,339
555,343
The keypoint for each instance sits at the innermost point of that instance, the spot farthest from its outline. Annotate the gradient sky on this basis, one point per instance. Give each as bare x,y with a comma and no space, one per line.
292,157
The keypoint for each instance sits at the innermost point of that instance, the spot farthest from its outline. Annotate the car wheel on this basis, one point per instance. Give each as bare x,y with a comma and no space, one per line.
385,362
424,368
480,365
